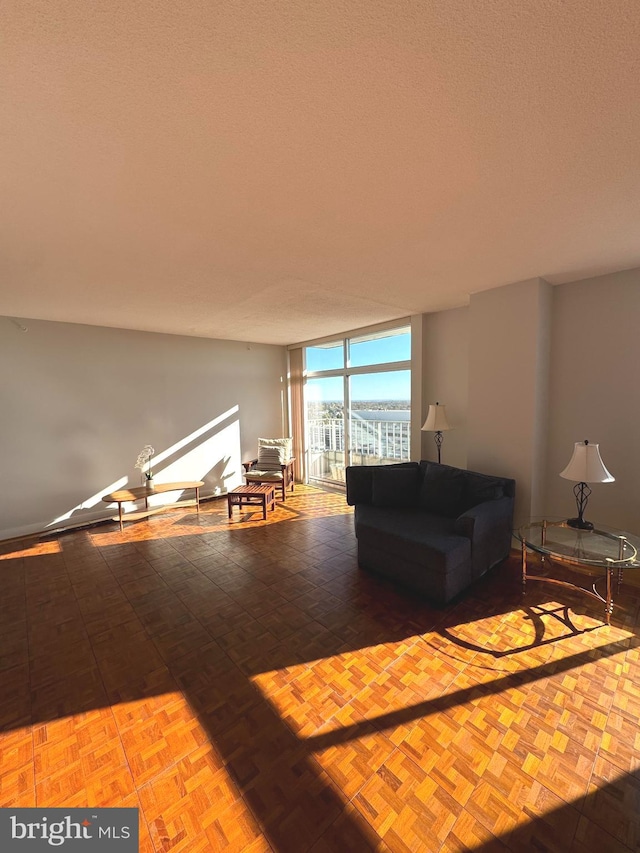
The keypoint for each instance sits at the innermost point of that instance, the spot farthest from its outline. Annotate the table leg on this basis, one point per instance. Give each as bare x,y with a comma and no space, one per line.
609,606
264,507
524,568
198,499
120,515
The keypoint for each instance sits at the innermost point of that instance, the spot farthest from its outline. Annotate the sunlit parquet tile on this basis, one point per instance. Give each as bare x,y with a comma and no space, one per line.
251,689
306,702
317,692
454,756
627,696
620,742
154,744
565,767
507,798
409,810
469,834
351,764
80,761
17,775
194,805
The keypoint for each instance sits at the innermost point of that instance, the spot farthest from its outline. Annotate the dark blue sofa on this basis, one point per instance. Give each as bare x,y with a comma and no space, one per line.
430,527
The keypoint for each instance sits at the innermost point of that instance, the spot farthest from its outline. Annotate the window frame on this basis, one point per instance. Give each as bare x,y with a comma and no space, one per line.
347,371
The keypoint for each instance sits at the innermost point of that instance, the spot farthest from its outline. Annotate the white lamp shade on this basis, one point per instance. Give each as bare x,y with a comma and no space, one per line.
586,465
436,419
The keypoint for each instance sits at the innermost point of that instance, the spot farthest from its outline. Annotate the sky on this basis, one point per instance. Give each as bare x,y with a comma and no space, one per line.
394,385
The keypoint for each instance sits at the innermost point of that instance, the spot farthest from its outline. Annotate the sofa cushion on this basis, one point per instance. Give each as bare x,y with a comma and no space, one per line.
442,491
395,487
414,535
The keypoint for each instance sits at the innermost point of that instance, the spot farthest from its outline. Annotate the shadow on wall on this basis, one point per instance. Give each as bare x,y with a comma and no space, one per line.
211,453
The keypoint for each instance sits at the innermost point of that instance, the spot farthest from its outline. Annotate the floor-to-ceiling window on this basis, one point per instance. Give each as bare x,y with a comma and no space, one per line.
357,401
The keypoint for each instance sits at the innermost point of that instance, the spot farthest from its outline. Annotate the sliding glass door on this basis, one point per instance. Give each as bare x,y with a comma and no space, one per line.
325,429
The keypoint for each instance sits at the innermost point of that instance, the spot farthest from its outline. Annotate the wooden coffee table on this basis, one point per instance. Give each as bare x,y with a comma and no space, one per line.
263,495
141,492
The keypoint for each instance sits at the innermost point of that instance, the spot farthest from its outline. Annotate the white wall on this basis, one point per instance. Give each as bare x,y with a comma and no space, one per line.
445,377
78,403
595,353
508,378
557,365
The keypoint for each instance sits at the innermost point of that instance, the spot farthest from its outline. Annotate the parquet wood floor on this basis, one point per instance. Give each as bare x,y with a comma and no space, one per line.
248,688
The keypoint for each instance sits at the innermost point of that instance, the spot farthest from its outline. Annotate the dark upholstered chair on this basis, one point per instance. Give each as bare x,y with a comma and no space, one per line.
274,464
430,527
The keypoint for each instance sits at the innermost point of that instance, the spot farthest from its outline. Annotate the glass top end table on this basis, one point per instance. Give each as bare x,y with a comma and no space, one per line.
598,553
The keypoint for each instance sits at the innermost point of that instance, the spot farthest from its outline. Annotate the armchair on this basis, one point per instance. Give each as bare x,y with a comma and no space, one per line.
274,464
430,527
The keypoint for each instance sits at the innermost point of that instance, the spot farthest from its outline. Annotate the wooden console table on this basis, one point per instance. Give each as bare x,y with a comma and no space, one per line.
138,492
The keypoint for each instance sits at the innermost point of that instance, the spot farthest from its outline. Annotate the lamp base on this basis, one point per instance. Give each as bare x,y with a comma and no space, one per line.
580,523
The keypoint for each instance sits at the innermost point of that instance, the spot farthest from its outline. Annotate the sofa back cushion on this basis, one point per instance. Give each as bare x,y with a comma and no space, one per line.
479,488
360,480
395,487
442,490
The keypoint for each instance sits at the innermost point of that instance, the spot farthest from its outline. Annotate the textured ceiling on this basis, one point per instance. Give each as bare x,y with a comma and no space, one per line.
276,171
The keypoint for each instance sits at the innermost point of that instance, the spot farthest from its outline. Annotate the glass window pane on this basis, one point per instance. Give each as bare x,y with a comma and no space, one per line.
325,356
381,347
325,428
379,417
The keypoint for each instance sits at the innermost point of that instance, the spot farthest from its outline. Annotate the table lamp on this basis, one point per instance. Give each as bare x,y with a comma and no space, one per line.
436,422
585,466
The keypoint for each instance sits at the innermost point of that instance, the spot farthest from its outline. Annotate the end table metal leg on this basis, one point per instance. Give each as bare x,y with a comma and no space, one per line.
524,568
609,605
120,515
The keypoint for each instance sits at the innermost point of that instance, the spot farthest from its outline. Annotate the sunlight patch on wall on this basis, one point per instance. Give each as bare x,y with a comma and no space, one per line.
87,503
216,460
170,451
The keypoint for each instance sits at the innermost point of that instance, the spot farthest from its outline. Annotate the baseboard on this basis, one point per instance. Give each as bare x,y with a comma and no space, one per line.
40,532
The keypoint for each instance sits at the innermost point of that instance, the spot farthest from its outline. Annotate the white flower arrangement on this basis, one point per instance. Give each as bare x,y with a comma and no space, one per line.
144,461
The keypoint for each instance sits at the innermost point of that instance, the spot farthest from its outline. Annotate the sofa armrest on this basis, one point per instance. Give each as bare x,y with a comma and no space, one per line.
489,528
479,519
